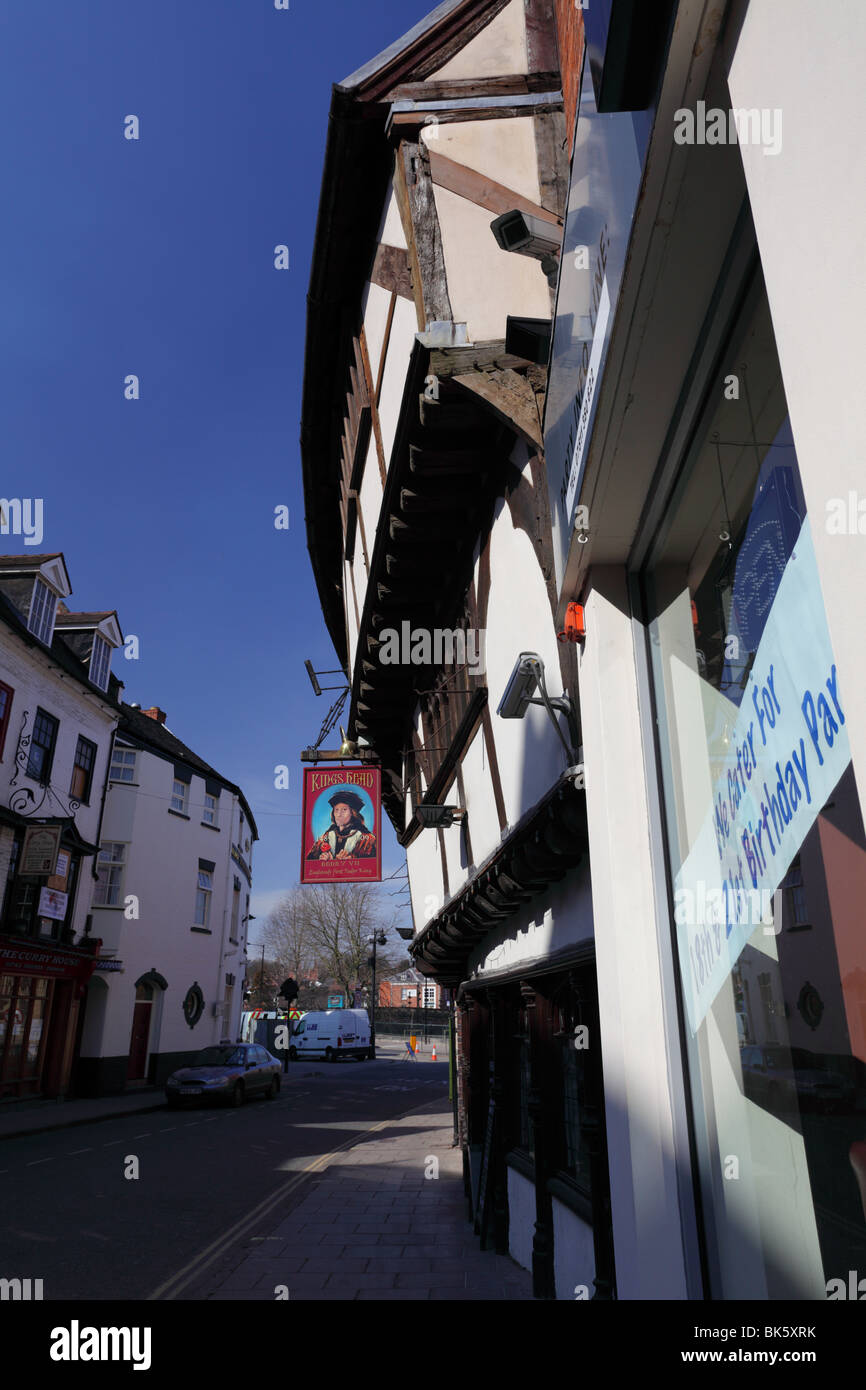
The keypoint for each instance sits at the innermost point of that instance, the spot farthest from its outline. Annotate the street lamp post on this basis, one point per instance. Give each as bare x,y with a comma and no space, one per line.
380,938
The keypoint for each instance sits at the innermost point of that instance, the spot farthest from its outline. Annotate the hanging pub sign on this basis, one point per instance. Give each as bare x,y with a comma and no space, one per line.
342,825
40,849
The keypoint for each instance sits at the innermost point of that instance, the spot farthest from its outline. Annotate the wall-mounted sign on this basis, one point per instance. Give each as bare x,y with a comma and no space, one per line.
108,965
52,903
40,849
61,868
341,822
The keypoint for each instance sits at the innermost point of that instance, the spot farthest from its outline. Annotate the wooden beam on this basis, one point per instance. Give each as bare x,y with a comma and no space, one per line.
401,121
511,84
401,193
483,191
476,357
392,271
413,159
383,356
511,398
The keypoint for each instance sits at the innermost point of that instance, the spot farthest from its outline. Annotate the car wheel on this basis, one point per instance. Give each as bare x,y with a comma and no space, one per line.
274,1089
236,1098
293,1054
330,1055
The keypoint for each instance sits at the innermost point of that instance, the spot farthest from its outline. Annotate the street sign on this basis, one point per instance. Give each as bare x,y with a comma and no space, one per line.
335,1001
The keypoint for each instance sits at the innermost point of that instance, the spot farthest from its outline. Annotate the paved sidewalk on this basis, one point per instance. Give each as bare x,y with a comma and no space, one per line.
38,1116
373,1226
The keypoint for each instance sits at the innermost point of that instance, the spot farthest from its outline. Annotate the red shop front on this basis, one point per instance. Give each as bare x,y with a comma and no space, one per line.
41,988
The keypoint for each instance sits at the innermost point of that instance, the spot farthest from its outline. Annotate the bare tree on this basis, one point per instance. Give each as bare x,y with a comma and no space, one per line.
324,929
288,937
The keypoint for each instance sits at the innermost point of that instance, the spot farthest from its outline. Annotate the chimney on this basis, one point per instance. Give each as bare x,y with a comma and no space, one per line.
156,713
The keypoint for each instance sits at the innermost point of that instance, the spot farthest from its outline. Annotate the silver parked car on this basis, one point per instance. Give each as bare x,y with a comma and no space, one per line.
228,1072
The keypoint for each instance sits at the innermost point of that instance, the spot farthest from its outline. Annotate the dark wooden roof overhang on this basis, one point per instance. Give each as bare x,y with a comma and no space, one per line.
447,465
357,167
548,841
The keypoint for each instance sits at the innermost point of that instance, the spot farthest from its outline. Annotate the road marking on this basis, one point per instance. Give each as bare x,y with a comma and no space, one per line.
197,1266
113,1142
38,1160
162,1131
146,1135
73,1152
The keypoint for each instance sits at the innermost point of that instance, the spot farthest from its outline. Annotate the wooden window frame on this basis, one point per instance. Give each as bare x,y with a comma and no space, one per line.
84,797
43,777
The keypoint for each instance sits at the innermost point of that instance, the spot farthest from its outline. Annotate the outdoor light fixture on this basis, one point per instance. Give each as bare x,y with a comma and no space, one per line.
439,817
407,933
519,694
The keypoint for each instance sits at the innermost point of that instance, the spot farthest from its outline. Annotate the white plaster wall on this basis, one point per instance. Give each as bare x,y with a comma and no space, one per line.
529,753
162,869
503,150
809,207
485,284
391,227
521,1217
351,621
499,49
573,1252
480,801
425,877
374,311
403,330
37,682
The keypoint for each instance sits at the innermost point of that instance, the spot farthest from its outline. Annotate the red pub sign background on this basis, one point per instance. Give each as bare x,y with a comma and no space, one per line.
342,825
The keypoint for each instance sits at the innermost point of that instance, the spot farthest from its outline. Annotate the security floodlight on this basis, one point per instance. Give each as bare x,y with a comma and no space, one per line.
519,694
439,817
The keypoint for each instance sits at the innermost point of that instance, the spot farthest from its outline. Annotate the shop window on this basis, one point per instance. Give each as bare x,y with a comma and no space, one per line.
765,841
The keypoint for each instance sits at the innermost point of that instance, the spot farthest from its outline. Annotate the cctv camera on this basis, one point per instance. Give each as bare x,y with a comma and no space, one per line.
527,235
521,686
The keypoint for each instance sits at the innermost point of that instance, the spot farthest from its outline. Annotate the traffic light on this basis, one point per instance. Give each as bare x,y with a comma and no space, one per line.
289,989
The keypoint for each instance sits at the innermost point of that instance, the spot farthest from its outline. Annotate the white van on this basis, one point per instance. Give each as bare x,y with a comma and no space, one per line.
332,1034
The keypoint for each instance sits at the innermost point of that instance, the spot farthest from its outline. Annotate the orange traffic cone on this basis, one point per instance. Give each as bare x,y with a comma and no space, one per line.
433,1058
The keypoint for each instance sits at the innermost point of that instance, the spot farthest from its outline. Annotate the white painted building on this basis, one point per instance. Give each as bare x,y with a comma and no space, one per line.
661,1095
171,906
58,713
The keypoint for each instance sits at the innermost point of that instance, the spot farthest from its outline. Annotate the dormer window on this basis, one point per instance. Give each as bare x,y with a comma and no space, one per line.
43,608
100,662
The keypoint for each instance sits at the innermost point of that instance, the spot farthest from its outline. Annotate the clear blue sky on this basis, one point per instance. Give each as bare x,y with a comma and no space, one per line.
155,257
